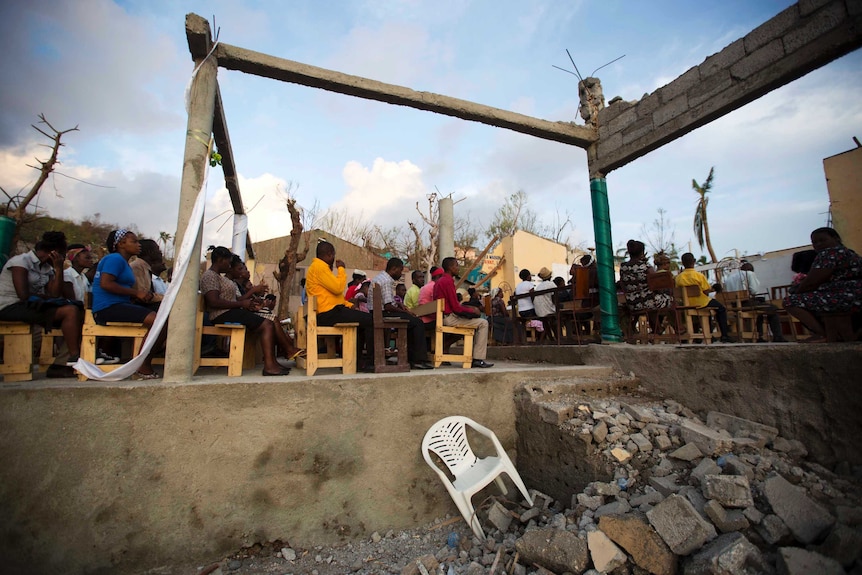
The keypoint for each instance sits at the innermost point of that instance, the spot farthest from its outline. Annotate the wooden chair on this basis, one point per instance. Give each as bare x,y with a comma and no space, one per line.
382,329
17,351
741,318
693,314
791,327
437,333
649,324
92,330
307,337
780,292
240,346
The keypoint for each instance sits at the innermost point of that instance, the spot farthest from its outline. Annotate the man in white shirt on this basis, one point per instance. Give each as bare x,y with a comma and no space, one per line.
744,279
544,303
525,304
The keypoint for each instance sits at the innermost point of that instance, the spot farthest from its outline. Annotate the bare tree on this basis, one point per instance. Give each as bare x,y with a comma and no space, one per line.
514,215
426,253
466,236
293,254
348,226
16,206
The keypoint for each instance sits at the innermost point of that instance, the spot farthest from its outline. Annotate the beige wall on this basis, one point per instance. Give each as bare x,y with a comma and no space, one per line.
844,182
525,250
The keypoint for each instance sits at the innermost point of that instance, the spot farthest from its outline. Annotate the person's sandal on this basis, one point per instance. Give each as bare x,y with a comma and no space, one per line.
299,353
138,376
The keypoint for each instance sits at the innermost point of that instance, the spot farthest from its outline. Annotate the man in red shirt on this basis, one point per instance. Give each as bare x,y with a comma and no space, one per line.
456,314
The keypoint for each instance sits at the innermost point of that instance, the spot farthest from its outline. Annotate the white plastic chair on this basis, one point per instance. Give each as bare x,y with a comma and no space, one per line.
448,440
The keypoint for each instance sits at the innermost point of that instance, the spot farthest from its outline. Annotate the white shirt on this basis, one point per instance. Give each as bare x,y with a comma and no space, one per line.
544,303
38,276
742,280
79,282
160,286
524,303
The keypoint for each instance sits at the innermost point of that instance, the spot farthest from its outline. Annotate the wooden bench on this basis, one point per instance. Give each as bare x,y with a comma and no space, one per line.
740,317
436,332
691,313
17,351
307,337
382,328
135,331
240,346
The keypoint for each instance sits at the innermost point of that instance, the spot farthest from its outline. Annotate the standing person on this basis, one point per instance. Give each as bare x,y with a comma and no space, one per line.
385,282
149,258
691,277
411,300
332,308
833,284
455,314
114,288
220,296
744,279
31,289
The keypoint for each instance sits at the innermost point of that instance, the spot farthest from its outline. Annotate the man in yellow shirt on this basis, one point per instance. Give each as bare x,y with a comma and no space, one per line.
328,288
691,277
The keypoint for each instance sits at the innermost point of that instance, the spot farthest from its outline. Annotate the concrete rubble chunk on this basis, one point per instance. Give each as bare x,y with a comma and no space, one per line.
649,497
729,554
540,500
665,485
805,518
429,563
796,561
707,466
738,426
663,442
688,452
753,514
647,549
708,440
696,498
558,551
600,431
618,507
844,544
642,442
793,447
621,454
726,520
664,468
733,465
728,490
603,488
680,525
590,501
639,413
499,516
605,554
773,530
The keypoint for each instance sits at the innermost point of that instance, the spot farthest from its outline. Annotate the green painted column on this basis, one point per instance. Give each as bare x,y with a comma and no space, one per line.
605,261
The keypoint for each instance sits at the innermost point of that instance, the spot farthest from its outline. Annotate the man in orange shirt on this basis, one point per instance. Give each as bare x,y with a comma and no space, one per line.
332,308
691,277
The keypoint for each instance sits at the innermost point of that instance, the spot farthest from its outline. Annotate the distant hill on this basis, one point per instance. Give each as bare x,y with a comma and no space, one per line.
92,232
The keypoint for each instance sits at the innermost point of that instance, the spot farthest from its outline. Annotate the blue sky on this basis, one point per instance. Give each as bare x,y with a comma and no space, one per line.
119,70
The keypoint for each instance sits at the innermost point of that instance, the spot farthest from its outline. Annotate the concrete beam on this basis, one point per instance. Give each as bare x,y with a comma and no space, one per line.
800,39
250,62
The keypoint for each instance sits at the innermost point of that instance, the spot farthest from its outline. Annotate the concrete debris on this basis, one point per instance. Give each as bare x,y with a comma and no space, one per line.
605,554
706,467
647,549
499,516
427,563
773,530
739,427
726,520
621,454
844,544
729,554
709,441
557,551
796,561
688,452
728,490
805,519
680,525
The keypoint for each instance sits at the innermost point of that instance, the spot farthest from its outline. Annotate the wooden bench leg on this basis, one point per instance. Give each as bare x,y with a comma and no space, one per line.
18,355
237,353
348,351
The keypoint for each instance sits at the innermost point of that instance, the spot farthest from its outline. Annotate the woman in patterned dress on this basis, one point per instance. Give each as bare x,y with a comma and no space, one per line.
633,278
833,285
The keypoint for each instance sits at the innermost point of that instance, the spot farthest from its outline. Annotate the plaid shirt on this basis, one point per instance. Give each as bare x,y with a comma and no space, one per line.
384,282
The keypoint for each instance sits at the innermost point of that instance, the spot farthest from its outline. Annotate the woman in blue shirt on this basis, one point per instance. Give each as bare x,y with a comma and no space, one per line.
114,288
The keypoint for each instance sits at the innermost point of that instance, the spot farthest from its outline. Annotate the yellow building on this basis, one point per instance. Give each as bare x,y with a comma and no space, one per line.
525,250
844,182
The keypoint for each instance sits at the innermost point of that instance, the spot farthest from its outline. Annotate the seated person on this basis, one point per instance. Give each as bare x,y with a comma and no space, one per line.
801,264
456,314
411,300
360,299
544,303
633,280
220,297
473,298
833,285
503,328
31,291
563,295
525,304
400,293
114,288
239,274
353,286
744,279
142,266
426,292
691,277
661,261
76,277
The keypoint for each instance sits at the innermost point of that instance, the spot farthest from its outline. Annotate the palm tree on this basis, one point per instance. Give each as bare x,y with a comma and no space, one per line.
701,225
164,237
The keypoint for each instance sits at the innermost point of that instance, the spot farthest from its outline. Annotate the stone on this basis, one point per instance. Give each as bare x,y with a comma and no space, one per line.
735,466
289,554
429,563
590,501
680,525
773,530
849,515
688,452
234,564
738,426
729,554
664,468
792,447
709,441
725,520
665,485
638,539
603,488
639,413
844,544
605,554
706,467
540,500
499,516
474,569
796,561
618,507
558,551
663,442
753,514
728,490
642,442
600,431
696,498
805,518
648,497
534,512
621,454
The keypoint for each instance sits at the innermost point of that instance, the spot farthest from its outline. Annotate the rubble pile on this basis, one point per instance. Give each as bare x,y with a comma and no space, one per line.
714,497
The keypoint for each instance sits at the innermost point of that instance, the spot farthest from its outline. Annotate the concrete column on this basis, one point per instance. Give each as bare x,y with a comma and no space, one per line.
181,331
605,261
446,219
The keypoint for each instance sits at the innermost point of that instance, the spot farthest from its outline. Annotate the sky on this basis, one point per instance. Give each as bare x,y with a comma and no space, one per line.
119,71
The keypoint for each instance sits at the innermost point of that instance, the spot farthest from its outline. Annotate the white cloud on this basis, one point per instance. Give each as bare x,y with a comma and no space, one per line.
386,193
